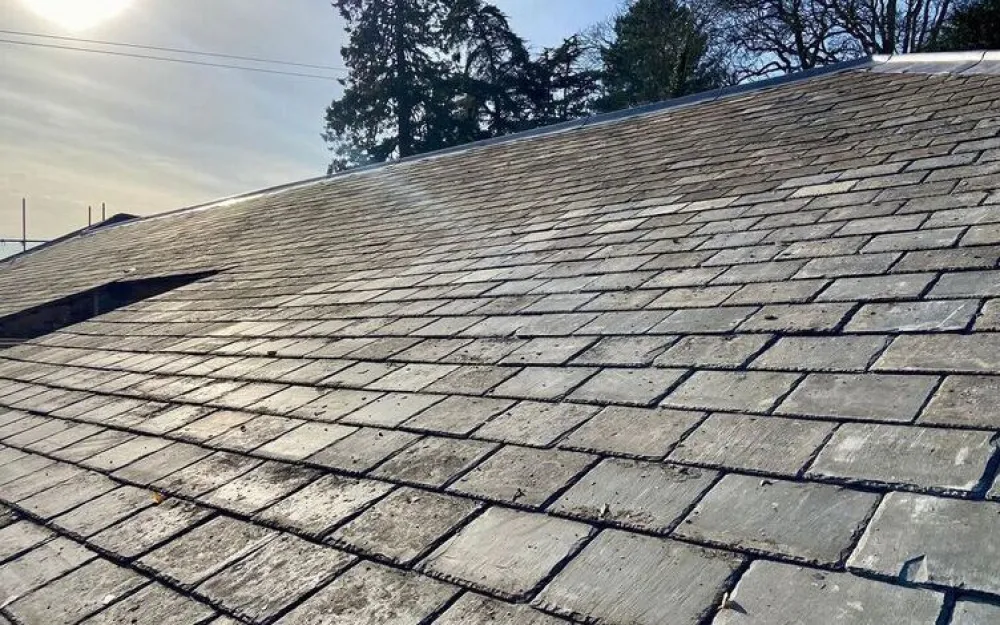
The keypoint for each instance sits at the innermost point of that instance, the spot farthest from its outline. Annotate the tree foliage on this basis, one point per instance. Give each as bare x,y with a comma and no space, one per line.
974,26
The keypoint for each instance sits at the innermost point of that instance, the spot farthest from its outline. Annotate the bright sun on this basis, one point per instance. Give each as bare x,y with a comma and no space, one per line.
77,14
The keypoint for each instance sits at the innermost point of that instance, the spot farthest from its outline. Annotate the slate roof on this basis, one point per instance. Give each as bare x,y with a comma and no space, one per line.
732,361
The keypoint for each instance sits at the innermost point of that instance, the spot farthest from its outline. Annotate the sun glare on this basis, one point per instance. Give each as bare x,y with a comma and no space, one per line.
77,15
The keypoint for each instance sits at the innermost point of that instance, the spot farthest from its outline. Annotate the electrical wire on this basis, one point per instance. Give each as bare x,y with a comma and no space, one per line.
233,57
149,57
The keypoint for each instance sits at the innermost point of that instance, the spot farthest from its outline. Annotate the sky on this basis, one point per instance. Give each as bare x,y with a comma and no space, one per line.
78,129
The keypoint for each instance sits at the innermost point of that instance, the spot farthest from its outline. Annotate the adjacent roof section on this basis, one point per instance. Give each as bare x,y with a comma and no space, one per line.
731,362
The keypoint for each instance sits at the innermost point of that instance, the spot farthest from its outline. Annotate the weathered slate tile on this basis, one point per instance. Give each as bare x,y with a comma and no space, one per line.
458,414
535,423
37,481
784,292
730,351
965,400
925,458
749,391
404,525
137,534
718,320
624,351
821,353
968,284
926,540
304,441
323,504
372,594
173,418
254,433
93,445
21,536
971,612
875,288
636,495
522,476
362,450
106,510
635,387
274,577
764,444
547,351
41,565
260,487
506,553
208,548
808,522
640,432
390,409
161,463
824,317
650,578
335,404
770,592
76,596
989,316
206,474
473,609
870,396
213,425
433,461
543,382
67,495
153,604
925,316
855,265
411,377
973,353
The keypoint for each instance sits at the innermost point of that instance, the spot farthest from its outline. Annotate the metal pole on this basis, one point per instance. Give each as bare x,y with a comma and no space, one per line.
24,224
103,214
90,216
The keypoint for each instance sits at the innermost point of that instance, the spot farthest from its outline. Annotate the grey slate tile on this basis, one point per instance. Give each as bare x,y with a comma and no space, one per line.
139,533
457,414
925,458
208,548
506,553
274,577
821,353
523,476
473,609
390,409
543,382
326,502
629,386
927,540
937,316
154,603
965,401
968,284
730,351
372,594
976,353
761,444
635,495
260,487
807,522
650,578
875,288
404,525
433,461
41,565
535,423
304,441
161,463
21,536
67,495
362,450
750,391
970,612
825,317
639,432
206,474
869,397
104,511
77,595
624,351
770,592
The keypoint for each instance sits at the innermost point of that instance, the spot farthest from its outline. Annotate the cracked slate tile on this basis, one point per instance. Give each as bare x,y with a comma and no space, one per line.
335,404
925,458
646,496
649,578
76,596
761,444
770,592
522,476
195,556
506,553
154,603
372,594
274,577
807,522
433,461
749,391
870,396
624,351
404,525
925,540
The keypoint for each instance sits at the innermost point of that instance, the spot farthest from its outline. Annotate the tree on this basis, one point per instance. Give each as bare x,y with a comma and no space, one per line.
660,49
781,36
974,26
562,84
392,79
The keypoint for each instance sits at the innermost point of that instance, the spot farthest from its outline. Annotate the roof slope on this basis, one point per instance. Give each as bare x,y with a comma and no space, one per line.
730,363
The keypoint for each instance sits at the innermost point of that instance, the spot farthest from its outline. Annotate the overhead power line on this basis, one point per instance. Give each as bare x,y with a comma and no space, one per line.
149,57
136,46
